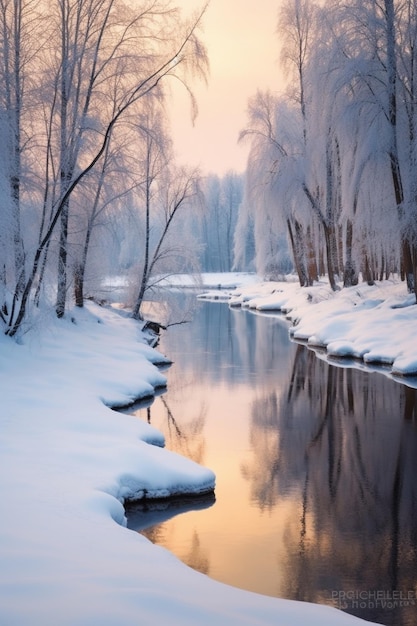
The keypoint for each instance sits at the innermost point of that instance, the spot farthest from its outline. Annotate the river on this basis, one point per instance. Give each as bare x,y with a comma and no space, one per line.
316,468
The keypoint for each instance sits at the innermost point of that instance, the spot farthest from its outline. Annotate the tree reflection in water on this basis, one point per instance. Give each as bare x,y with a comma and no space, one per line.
186,438
343,442
315,465
197,558
148,517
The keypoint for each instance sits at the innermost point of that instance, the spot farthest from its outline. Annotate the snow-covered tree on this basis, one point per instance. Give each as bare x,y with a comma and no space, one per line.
216,227
94,63
341,170
20,28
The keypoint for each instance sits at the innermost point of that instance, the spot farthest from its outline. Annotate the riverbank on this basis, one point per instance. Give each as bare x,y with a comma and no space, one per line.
369,326
68,461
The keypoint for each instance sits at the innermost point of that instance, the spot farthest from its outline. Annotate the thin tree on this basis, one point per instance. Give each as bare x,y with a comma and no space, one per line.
166,192
17,18
187,51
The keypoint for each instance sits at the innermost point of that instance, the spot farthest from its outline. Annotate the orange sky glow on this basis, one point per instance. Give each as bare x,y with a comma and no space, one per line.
243,49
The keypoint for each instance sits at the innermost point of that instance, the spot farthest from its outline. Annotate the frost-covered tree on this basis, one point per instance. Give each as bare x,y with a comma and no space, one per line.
20,27
216,227
281,183
97,205
296,30
99,39
232,194
351,149
298,24
95,62
374,82
210,227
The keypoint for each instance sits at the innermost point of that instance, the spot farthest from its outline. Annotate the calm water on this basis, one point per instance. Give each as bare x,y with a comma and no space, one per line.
316,466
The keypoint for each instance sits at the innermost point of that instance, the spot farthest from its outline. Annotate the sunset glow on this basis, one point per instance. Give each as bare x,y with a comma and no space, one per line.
220,541
243,49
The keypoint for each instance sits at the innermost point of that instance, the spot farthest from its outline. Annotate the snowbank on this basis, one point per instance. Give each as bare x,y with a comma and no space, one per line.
67,463
373,324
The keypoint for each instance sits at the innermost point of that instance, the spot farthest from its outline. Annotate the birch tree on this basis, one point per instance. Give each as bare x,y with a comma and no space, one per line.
150,43
90,42
18,23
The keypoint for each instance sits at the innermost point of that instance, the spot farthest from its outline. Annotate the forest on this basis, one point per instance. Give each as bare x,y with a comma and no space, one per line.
90,186
332,161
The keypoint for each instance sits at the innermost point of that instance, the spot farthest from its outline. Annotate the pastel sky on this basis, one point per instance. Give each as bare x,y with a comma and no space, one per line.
243,49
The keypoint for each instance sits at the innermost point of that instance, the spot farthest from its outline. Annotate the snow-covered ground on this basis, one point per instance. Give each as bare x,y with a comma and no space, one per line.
68,461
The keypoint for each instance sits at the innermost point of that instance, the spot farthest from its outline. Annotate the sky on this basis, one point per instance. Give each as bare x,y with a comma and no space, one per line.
243,49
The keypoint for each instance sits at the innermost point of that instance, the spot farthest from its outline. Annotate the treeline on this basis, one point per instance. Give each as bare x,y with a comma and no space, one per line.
88,181
89,185
333,161
216,227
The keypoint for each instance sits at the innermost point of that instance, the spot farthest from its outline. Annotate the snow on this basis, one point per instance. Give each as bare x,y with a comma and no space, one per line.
373,324
209,280
68,461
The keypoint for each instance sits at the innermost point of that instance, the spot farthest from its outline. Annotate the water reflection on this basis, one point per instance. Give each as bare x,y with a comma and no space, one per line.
343,442
185,437
145,514
316,465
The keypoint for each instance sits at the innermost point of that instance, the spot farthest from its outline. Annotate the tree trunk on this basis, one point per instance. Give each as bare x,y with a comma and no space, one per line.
145,272
78,285
350,275
406,251
296,252
408,254
62,263
312,271
79,270
330,240
367,271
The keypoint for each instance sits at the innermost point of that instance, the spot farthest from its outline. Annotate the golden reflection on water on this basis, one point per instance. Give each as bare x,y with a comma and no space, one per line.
243,550
315,467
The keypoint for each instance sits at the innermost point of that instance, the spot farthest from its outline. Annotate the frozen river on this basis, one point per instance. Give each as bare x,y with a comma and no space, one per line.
316,466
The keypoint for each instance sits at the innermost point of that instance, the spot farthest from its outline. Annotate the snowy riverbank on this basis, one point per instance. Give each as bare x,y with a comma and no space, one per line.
372,325
67,463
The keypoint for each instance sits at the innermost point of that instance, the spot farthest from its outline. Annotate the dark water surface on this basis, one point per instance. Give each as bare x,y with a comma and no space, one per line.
316,468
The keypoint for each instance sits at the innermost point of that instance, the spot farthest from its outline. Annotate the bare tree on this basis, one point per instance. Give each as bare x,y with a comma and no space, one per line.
296,28
166,191
173,55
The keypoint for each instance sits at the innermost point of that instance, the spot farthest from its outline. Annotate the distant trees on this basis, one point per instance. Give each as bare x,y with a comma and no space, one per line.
74,73
333,161
216,226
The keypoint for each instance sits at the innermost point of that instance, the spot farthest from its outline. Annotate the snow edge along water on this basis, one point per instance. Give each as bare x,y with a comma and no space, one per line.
366,326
